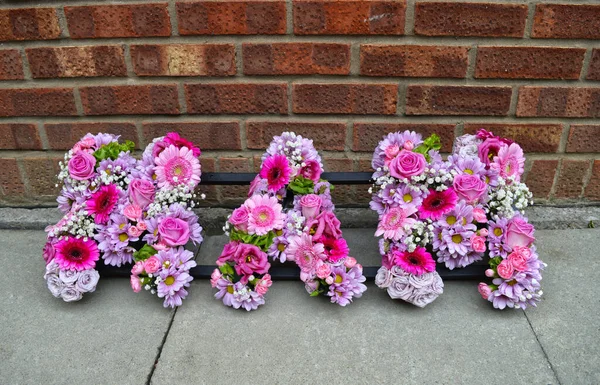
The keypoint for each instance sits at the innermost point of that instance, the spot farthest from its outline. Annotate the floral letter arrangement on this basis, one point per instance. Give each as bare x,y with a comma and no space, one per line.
458,211
308,233
125,210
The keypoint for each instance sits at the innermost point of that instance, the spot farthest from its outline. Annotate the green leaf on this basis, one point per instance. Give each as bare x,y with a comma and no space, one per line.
144,253
314,293
112,150
261,241
494,262
431,143
226,269
302,186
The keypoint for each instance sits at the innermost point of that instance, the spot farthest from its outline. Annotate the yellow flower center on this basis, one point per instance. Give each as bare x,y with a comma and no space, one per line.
169,280
508,169
338,279
279,232
107,171
464,221
281,247
456,238
468,171
177,170
407,198
123,237
248,258
487,179
497,231
262,216
230,289
451,220
121,226
512,282
154,176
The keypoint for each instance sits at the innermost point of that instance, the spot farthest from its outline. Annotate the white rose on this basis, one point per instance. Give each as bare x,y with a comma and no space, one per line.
88,279
400,288
70,294
55,285
383,279
68,276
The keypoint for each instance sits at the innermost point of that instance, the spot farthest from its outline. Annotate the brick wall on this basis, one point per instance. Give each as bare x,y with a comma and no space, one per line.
231,74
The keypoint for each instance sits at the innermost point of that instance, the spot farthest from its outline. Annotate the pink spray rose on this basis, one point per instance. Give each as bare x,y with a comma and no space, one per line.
263,285
159,147
141,192
239,218
174,231
85,145
250,259
136,284
228,253
519,232
409,145
350,262
329,280
323,270
142,226
215,277
489,273
519,257
160,246
311,204
407,164
134,232
479,215
469,187
484,232
138,268
525,251
152,264
133,212
311,170
390,153
505,269
326,224
484,290
478,243
81,166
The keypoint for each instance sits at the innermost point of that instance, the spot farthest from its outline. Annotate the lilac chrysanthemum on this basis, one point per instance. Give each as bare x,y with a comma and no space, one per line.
457,239
101,139
346,285
176,210
471,166
69,197
393,139
497,229
453,261
461,215
173,276
114,241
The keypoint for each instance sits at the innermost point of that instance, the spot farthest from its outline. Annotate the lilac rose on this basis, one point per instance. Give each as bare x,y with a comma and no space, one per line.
174,231
81,166
70,294
88,279
469,187
141,192
311,204
407,164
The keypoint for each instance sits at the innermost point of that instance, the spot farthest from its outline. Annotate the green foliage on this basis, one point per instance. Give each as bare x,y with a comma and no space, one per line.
226,269
112,150
591,225
494,262
144,253
431,143
261,241
302,186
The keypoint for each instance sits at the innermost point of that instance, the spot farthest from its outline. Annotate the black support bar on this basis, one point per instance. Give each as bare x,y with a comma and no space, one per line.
231,179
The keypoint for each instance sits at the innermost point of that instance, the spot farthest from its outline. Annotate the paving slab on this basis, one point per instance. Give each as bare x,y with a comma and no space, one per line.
112,336
567,322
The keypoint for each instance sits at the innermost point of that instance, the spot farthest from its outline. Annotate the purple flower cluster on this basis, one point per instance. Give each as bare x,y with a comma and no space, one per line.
70,285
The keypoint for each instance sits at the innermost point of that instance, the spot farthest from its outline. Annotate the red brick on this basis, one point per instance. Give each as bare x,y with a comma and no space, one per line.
183,59
11,183
326,136
570,180
231,18
127,100
323,17
296,59
41,175
541,177
342,194
19,136
367,135
413,61
122,20
345,98
206,135
69,62
584,138
11,65
566,21
37,102
234,195
592,190
239,98
457,100
212,198
529,62
559,102
531,137
29,24
470,19
594,70
62,136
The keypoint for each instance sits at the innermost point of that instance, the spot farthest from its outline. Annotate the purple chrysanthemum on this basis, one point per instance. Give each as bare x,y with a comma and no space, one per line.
346,285
114,240
457,239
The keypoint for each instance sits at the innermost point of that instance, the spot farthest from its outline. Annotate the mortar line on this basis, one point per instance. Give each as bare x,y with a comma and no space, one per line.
531,6
585,66
586,178
542,347
160,348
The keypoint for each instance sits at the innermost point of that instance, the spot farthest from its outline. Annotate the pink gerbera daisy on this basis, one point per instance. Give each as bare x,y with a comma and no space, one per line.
417,262
438,203
102,203
76,254
392,224
177,166
510,161
305,252
179,142
276,170
264,214
335,249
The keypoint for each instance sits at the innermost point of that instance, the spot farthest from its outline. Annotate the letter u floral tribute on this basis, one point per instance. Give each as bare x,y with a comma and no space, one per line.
125,210
458,211
308,233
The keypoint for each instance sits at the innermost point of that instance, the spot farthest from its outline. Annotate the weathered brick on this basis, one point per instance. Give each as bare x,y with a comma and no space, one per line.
531,137
127,100
37,102
19,136
366,136
345,98
584,138
231,18
529,62
322,17
541,177
62,136
11,65
341,194
571,177
457,100
41,175
183,59
206,135
68,62
326,136
594,69
11,183
559,101
233,195
413,61
296,59
592,190
208,164
240,98
470,19
566,21
29,24
119,20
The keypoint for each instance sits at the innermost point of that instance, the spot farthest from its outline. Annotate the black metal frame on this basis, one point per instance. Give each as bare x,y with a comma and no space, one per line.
290,271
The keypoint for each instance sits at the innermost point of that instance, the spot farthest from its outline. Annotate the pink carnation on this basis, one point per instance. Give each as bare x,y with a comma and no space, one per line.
478,244
505,269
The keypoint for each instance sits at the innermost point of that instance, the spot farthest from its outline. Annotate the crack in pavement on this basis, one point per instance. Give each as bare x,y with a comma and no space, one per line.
160,348
542,347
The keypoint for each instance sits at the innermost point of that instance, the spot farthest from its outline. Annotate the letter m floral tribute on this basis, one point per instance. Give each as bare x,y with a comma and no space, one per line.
459,211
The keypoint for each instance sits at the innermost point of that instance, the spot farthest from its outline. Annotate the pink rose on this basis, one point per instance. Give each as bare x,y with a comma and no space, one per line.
479,215
134,232
329,280
409,145
136,284
159,147
469,187
311,170
228,253
48,251
350,262
489,273
81,166
142,226
174,231
488,149
215,277
133,212
505,269
478,243
519,257
239,218
250,259
325,224
519,232
256,183
484,232
484,290
152,264
407,164
141,192
323,270
525,251
262,286
138,268
311,204
390,153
